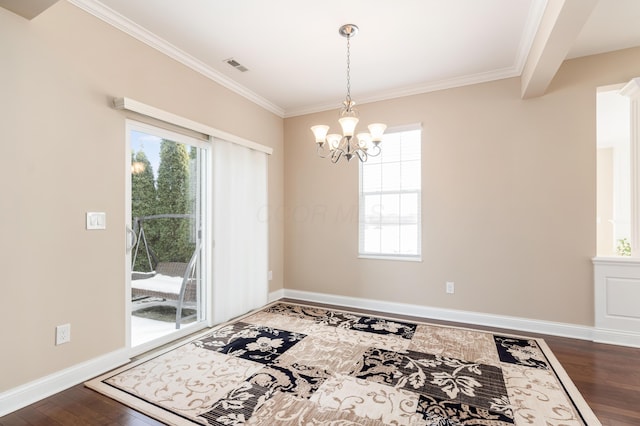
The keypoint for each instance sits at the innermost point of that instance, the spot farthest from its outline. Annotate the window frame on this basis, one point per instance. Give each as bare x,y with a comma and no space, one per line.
362,254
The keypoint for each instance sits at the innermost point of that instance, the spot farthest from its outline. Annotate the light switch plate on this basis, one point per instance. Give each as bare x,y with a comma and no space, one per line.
96,220
450,287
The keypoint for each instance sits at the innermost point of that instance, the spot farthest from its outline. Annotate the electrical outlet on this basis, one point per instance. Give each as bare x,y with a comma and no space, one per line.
63,334
270,275
450,287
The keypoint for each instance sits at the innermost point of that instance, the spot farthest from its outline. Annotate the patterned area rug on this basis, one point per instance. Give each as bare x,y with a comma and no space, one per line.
291,364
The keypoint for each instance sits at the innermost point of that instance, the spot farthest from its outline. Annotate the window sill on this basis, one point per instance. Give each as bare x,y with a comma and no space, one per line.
615,260
391,257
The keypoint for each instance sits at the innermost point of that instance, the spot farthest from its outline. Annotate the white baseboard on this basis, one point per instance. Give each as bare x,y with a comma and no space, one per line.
27,394
574,331
34,391
276,295
466,317
615,337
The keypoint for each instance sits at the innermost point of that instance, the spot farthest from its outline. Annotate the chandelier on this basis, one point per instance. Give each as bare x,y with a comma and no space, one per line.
335,146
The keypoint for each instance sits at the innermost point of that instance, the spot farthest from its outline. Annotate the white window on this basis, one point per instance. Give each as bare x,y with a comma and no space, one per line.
390,198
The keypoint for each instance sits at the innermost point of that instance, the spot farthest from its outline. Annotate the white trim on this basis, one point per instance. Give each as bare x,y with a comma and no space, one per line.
632,91
467,317
616,261
403,128
21,396
532,24
573,331
407,258
207,254
127,26
174,336
128,189
616,337
129,104
276,295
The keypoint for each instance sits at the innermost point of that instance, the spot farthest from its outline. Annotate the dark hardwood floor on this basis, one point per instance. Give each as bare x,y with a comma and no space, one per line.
607,376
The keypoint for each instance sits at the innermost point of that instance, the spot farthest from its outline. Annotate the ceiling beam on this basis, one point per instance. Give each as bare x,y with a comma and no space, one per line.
560,25
28,9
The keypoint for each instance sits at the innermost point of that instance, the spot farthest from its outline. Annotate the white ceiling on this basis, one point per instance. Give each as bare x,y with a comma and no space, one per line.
297,59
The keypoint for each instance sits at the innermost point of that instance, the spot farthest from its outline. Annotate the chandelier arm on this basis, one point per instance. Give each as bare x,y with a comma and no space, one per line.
374,151
336,155
362,155
321,150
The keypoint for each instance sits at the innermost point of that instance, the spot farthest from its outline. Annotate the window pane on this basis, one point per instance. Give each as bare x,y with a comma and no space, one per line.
390,239
391,148
411,145
391,177
409,239
411,174
372,208
372,238
390,208
371,177
409,208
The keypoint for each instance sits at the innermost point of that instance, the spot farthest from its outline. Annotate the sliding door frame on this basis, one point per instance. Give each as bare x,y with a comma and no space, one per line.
205,206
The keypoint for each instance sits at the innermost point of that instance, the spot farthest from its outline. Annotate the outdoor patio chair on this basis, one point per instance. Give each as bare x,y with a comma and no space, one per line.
168,283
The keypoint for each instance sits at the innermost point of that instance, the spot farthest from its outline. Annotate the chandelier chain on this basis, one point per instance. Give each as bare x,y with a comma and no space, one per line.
349,71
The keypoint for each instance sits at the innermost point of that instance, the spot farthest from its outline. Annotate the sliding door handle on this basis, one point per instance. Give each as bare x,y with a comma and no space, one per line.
132,239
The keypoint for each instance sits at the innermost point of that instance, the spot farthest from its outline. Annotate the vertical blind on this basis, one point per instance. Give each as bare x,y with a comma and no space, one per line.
240,230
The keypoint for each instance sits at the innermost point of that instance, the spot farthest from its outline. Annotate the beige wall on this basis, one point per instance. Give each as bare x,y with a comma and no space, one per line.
63,153
509,199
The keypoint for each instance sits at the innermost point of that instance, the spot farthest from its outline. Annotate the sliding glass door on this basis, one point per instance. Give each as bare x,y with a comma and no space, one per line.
167,229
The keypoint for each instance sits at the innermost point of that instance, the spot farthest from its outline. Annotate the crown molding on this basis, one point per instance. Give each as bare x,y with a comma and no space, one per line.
536,12
434,86
111,17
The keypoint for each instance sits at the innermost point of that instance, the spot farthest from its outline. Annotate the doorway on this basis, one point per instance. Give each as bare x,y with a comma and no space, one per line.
613,173
166,277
